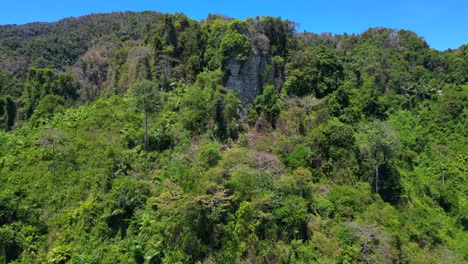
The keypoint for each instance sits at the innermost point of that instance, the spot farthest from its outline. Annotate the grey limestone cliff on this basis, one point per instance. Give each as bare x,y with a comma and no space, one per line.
246,78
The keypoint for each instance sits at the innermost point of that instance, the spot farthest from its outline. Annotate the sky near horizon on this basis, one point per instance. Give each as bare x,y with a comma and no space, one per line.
442,23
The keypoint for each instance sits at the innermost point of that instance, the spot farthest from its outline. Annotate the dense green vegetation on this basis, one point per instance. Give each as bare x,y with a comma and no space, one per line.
126,146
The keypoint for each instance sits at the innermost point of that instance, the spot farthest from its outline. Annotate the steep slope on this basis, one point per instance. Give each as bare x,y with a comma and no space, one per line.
352,147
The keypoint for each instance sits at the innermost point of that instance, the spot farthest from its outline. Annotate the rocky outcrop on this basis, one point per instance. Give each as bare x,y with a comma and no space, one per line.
246,78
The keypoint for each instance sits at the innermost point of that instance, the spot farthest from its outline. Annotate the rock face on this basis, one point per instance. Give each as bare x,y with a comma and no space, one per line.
246,78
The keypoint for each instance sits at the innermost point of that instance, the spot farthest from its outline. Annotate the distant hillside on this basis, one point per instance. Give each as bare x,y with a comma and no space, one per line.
60,44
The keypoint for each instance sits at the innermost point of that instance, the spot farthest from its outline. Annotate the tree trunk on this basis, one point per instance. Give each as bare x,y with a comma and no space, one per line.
53,158
442,173
3,258
145,146
376,177
376,169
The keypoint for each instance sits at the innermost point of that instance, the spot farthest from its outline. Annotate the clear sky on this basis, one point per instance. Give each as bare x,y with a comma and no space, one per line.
442,23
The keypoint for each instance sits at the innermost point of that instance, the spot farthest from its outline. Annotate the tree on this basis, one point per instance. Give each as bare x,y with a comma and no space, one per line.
226,116
50,138
42,82
377,143
313,71
335,142
235,44
267,103
7,112
47,107
148,98
212,34
9,246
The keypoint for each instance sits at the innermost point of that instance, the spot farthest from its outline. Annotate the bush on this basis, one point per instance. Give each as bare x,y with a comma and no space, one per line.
210,155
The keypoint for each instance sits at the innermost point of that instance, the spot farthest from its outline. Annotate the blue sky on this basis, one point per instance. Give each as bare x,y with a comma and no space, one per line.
442,23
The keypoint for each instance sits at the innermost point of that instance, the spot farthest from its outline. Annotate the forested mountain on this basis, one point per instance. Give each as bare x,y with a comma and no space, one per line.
155,138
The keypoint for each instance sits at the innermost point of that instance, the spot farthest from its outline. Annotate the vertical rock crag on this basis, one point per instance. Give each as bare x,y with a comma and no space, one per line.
246,78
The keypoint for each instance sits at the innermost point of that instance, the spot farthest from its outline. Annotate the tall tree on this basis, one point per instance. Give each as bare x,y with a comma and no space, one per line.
377,143
148,98
7,112
50,138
